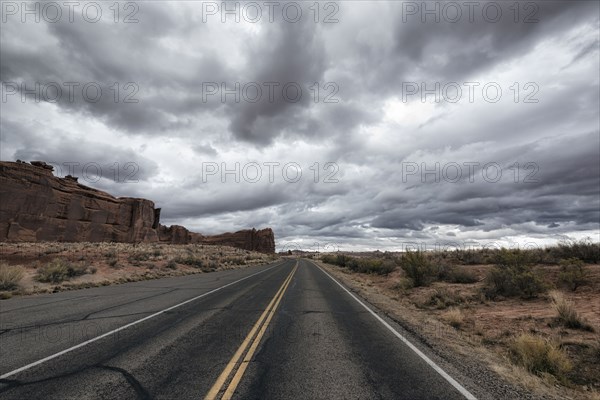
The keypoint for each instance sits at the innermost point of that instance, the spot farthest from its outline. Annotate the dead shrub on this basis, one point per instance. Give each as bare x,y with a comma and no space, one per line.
566,312
454,317
540,356
10,276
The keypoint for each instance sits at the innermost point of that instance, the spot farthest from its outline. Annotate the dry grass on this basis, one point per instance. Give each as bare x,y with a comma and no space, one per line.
454,317
59,270
10,276
540,356
567,314
84,264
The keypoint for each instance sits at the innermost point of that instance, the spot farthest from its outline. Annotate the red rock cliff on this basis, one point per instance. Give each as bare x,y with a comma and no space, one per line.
263,239
37,206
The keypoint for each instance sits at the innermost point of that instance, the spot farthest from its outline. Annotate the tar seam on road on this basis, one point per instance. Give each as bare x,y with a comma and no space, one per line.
265,317
430,362
60,353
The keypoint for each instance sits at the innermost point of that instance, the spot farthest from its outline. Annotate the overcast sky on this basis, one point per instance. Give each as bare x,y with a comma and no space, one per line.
352,124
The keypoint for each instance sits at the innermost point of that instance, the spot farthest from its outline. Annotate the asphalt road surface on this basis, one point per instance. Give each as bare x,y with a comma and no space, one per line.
281,331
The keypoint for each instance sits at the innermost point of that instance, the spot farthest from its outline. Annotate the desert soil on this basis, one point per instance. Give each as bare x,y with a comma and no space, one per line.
112,263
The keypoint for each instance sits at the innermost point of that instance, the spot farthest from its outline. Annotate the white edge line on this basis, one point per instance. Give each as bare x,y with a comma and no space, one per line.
77,346
432,364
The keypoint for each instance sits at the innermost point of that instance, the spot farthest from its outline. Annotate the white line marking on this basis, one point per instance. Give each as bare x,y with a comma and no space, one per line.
60,353
433,365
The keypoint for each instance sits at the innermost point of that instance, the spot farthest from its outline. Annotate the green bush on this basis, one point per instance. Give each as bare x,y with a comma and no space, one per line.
10,276
454,274
572,273
417,267
212,265
364,265
386,267
59,270
584,250
236,260
138,256
543,255
514,276
372,265
462,275
112,253
512,258
190,260
443,298
514,281
342,260
473,256
328,258
442,271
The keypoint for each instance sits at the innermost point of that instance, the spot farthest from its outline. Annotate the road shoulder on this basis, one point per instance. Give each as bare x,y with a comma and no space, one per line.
446,345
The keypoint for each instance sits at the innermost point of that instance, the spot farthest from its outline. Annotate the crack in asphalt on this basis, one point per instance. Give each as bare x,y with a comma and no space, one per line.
87,316
129,302
48,303
133,382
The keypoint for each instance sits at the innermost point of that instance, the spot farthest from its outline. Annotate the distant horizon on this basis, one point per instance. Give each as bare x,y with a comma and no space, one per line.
392,245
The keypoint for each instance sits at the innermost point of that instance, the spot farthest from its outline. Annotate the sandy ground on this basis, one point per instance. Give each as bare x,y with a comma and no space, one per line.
488,327
111,263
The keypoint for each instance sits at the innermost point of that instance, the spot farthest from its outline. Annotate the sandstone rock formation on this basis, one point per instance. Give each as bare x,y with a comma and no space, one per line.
37,206
263,239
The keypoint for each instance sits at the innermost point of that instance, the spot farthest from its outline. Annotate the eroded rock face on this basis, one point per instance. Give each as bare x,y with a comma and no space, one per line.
262,240
37,206
174,234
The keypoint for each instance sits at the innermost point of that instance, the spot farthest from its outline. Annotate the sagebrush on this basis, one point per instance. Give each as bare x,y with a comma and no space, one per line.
10,276
514,276
59,270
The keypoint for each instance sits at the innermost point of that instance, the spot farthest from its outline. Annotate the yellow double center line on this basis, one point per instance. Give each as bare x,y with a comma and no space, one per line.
251,343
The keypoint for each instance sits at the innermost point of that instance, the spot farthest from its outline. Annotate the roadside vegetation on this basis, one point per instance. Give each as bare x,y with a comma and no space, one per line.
566,312
27,268
10,277
535,309
59,270
365,265
540,356
513,275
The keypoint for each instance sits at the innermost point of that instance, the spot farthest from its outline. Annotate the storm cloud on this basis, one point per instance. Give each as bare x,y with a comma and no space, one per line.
360,126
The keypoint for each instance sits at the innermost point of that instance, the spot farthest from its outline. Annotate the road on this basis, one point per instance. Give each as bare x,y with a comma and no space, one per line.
281,331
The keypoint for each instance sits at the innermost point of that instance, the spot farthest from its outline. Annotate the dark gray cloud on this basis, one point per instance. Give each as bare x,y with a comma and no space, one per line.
97,164
292,57
167,59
